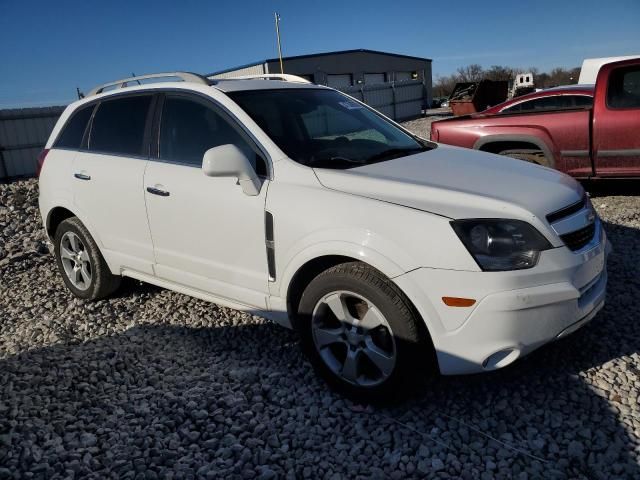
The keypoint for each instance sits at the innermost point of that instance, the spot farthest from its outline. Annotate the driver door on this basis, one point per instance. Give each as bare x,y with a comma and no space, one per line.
207,233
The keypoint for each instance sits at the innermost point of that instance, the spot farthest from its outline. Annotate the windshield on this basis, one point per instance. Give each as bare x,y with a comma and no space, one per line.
324,128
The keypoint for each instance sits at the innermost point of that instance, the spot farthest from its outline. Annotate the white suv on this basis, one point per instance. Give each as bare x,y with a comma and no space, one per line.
386,252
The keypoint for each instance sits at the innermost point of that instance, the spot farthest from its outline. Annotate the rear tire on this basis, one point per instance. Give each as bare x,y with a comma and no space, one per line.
379,348
83,269
532,156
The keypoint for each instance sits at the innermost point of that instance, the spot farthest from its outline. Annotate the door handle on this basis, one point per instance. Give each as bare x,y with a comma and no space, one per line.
82,176
157,191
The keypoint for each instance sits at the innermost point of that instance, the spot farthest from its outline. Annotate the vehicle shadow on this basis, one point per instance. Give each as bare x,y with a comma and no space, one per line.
602,187
218,401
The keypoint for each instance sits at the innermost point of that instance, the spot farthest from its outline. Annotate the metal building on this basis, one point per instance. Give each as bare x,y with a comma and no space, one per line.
397,85
23,133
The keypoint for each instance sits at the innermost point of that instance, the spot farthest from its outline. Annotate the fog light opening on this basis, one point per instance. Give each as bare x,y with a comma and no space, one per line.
500,359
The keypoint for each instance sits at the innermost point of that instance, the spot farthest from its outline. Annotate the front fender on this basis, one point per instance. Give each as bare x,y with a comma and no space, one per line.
356,250
390,267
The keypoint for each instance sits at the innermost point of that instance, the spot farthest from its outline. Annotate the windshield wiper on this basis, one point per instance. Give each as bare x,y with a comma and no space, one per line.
394,153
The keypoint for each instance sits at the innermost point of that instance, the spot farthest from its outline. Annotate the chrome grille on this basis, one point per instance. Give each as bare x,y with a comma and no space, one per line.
567,211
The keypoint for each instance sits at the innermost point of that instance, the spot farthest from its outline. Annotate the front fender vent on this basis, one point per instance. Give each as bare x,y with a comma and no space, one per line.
270,243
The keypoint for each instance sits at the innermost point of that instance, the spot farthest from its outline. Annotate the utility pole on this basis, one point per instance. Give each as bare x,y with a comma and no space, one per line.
277,17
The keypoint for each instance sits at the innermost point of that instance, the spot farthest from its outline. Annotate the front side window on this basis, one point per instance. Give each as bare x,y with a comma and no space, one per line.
624,88
118,126
324,128
73,131
189,127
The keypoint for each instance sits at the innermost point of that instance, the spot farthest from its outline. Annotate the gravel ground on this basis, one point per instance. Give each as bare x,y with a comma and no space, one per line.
422,126
154,384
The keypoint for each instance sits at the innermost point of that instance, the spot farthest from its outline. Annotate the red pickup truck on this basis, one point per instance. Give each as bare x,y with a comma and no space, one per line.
596,135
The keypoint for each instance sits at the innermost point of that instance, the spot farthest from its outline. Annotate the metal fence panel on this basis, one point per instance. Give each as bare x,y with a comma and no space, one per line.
23,133
399,100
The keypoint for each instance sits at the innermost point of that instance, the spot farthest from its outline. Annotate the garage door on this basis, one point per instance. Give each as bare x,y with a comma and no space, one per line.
374,78
338,81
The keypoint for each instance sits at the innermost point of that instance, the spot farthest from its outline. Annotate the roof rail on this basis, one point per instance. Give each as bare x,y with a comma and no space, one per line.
285,77
185,76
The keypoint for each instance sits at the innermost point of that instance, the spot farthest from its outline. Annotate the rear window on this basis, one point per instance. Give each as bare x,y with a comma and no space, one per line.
118,126
624,88
73,131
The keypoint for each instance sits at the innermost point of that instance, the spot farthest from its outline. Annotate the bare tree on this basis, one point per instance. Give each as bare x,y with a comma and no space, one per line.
444,85
471,73
499,72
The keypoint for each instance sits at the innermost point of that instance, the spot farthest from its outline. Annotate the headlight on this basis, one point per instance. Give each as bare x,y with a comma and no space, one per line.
498,244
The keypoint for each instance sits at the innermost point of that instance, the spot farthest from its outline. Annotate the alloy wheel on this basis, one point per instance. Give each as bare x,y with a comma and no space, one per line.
75,261
353,338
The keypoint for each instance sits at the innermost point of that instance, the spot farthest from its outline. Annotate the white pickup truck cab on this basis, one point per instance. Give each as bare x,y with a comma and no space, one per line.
387,253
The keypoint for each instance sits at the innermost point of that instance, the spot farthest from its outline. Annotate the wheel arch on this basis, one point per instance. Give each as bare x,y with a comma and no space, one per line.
55,217
498,143
59,213
305,274
313,267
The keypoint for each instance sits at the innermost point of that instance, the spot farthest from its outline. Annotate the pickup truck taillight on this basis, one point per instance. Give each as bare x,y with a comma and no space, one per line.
434,134
41,159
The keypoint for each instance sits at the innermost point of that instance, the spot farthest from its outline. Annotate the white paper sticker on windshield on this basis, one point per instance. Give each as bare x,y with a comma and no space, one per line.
350,105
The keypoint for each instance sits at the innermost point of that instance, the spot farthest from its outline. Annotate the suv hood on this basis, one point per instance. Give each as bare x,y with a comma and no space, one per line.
460,183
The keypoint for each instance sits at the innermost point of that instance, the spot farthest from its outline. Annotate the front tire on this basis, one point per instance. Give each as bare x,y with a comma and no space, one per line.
362,335
80,262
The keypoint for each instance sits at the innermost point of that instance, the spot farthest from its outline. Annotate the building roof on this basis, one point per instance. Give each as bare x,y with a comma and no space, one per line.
322,54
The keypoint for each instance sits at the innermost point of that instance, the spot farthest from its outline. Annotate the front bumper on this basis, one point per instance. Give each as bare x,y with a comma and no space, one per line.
515,312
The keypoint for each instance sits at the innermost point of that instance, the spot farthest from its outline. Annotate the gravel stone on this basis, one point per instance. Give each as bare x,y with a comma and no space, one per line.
154,384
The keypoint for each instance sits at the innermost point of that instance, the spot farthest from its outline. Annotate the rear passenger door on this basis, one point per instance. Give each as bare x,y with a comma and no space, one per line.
107,179
207,233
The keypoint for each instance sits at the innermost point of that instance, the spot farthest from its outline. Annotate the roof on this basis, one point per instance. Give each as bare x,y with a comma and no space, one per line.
591,67
322,54
234,85
587,87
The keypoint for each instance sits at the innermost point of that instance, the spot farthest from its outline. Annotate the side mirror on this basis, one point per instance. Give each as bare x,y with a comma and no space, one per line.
230,161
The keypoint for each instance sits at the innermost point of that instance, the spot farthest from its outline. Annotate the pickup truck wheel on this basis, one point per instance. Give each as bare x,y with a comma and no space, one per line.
532,156
80,262
361,333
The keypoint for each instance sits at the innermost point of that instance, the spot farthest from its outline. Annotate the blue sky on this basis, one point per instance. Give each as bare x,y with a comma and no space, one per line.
47,48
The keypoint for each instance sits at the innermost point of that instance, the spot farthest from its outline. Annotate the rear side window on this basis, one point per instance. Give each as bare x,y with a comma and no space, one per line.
73,131
624,88
583,101
119,124
555,102
189,127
